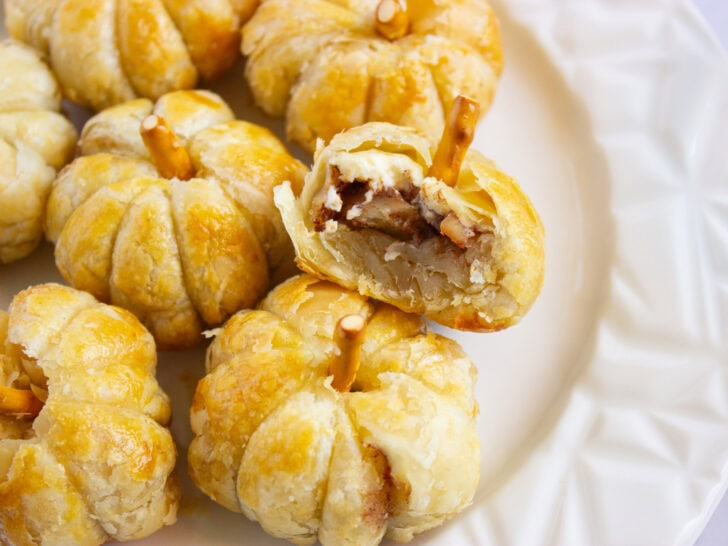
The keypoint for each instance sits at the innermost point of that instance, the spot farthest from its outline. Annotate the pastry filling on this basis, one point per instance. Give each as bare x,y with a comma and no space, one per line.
390,202
384,209
437,218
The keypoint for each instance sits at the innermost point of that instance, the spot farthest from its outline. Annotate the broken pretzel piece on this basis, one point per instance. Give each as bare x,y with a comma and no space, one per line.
19,402
454,230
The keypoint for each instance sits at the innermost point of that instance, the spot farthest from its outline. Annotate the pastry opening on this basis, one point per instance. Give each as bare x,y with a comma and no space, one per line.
386,191
360,205
400,212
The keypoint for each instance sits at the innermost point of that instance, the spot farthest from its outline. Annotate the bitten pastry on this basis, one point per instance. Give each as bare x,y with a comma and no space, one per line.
110,51
451,237
35,141
329,416
84,454
329,66
169,213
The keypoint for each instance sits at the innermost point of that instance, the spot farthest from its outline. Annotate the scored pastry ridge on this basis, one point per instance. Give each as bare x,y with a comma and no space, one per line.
329,66
110,51
35,141
279,438
177,222
95,461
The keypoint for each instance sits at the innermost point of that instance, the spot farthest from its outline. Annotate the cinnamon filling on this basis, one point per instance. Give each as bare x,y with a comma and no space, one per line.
400,212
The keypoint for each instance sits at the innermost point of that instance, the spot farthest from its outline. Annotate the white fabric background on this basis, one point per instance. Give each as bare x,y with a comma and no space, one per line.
716,15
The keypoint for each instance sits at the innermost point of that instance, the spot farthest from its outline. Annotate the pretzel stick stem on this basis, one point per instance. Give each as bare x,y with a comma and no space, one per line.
348,338
391,19
19,402
456,139
168,153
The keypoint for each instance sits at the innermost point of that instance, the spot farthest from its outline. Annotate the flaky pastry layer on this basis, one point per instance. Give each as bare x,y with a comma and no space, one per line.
181,254
35,141
111,51
371,219
96,464
275,441
325,66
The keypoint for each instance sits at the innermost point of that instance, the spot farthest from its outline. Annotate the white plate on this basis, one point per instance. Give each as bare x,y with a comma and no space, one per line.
604,414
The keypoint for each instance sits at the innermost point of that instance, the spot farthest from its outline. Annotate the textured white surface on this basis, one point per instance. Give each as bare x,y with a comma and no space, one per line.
639,454
715,13
644,431
604,414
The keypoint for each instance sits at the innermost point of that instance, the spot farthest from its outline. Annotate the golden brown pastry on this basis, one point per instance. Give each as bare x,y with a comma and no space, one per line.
453,238
35,141
328,416
110,51
178,226
329,65
84,454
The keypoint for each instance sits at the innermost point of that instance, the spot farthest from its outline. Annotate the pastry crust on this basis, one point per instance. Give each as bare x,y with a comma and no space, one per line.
181,254
327,68
115,50
96,463
35,140
485,280
275,441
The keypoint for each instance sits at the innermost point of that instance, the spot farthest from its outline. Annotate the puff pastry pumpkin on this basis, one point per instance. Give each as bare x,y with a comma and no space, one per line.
329,66
35,141
110,51
84,454
451,237
326,415
179,225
